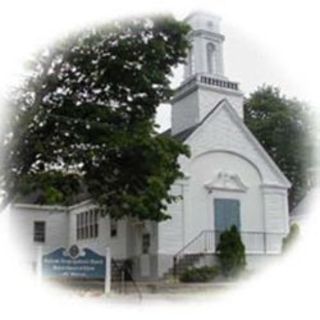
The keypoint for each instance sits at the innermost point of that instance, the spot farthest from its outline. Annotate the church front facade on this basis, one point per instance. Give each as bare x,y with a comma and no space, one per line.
229,180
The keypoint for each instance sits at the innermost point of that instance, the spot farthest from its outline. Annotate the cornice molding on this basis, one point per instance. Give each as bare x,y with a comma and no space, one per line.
224,180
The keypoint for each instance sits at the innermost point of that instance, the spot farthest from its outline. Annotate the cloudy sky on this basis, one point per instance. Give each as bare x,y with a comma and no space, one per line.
266,41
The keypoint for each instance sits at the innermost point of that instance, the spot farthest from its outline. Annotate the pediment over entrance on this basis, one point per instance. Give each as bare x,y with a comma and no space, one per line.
224,180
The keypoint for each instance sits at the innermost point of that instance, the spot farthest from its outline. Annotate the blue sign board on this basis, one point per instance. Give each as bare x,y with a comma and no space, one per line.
74,263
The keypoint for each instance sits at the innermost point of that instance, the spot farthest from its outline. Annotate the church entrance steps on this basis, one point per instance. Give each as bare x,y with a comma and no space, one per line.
184,263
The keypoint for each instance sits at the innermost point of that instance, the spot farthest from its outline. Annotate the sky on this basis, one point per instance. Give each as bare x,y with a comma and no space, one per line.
267,41
267,47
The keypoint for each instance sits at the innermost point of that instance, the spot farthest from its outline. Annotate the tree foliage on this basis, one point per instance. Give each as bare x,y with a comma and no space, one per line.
231,252
284,129
85,116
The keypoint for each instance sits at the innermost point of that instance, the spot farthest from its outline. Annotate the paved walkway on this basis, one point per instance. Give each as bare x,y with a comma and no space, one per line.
156,291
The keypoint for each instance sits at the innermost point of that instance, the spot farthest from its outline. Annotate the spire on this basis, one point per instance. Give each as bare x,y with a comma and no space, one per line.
206,54
204,84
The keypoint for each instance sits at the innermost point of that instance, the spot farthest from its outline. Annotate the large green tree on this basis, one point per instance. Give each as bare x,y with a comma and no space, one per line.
284,128
85,118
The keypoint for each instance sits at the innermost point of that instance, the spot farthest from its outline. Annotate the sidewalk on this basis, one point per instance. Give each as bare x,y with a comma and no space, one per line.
158,290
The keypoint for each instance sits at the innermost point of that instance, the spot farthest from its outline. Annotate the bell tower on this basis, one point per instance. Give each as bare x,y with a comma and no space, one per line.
206,54
204,84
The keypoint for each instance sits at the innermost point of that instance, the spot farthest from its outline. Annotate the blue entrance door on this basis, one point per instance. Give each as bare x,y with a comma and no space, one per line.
226,214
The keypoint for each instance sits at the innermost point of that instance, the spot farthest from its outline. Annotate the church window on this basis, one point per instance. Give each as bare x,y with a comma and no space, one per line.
87,224
211,58
146,242
39,231
113,228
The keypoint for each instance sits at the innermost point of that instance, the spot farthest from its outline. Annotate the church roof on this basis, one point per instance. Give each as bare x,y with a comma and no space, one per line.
185,134
181,136
37,198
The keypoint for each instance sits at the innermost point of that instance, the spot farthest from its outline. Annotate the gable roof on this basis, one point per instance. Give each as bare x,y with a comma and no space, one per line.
185,134
224,103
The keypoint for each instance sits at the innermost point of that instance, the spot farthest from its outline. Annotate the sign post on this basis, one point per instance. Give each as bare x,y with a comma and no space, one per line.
39,264
107,280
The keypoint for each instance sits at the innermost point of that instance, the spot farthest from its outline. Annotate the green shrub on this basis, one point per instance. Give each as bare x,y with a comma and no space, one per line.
202,274
231,252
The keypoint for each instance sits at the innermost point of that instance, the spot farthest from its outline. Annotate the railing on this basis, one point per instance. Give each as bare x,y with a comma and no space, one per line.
207,80
255,243
123,271
219,83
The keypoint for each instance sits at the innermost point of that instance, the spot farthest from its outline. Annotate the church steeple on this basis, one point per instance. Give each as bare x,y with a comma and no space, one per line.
204,84
206,54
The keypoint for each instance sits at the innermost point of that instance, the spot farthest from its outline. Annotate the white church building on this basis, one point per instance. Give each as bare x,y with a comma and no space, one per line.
229,180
